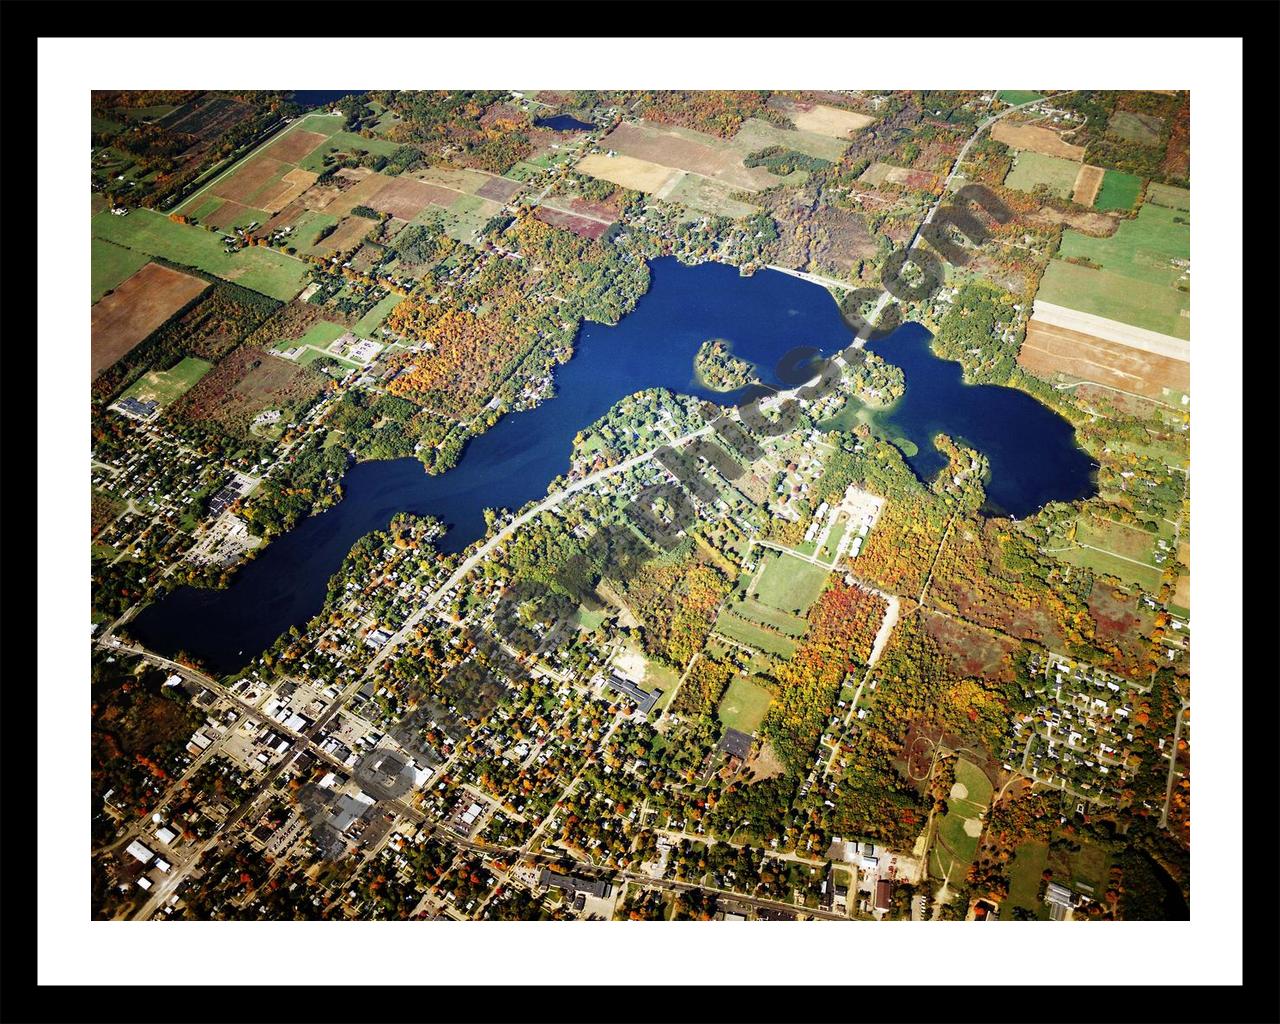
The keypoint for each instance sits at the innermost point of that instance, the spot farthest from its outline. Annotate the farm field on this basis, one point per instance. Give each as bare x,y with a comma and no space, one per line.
1169,195
1125,552
789,584
584,227
136,308
708,196
821,119
346,143
110,264
627,171
1031,169
1119,191
878,173
165,386
1036,139
1017,97
1087,183
1051,349
744,705
260,269
751,635
1141,266
1143,129
755,135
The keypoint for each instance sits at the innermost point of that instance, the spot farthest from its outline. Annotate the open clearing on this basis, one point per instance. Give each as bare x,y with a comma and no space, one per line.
820,119
755,135
1169,196
784,622
110,264
1031,169
261,269
744,632
1087,183
584,227
1143,129
878,173
165,386
136,308
1017,97
1119,191
1038,140
1137,275
1024,881
1105,351
688,150
744,705
789,584
708,196
629,172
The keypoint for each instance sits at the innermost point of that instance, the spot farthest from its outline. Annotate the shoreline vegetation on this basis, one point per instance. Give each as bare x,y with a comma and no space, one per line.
718,369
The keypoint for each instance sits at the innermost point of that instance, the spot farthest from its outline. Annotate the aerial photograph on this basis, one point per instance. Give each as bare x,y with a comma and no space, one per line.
638,505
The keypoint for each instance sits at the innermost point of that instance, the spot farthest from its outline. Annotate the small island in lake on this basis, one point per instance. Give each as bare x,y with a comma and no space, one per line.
718,369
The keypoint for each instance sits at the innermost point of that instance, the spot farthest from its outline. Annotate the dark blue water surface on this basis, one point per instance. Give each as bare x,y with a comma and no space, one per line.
315,97
1032,451
563,123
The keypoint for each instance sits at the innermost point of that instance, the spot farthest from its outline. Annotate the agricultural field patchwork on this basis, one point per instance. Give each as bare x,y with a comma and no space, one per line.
1031,169
137,307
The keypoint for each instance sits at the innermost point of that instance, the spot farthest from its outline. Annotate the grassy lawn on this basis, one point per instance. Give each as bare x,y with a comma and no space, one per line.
975,780
747,633
110,264
1169,195
753,611
659,677
1138,282
1119,191
832,545
952,833
589,620
345,142
1032,169
258,268
1017,97
744,705
167,385
370,322
308,229
789,584
1024,881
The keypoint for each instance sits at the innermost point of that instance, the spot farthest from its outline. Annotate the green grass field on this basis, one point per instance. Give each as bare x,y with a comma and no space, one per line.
953,841
1024,881
1119,191
1032,169
260,269
659,677
744,705
752,635
109,264
1016,97
322,124
370,322
204,206
789,584
753,611
166,386
832,545
345,142
1169,195
1138,281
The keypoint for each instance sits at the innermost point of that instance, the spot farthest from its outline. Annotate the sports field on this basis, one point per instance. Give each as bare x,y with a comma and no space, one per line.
789,584
167,385
1119,191
1032,169
1141,266
109,264
258,268
744,705
956,841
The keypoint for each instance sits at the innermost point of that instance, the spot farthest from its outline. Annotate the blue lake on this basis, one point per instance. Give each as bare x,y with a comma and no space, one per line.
563,123
765,316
